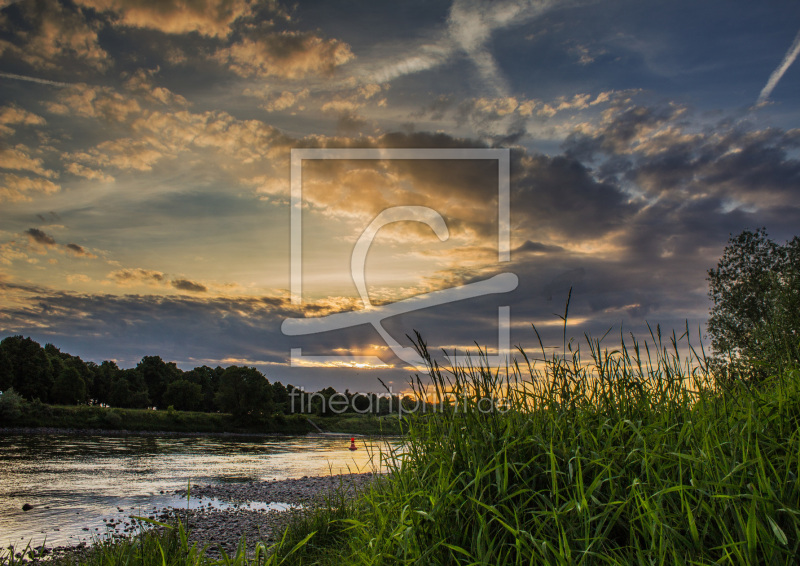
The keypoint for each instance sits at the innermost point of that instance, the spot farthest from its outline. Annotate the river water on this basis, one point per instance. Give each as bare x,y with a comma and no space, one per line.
74,482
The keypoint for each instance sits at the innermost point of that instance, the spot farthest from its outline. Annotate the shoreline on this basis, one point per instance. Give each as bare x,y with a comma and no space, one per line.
223,528
126,432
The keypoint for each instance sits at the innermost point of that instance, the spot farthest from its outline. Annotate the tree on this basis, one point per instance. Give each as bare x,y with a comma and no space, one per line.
32,371
6,371
280,397
184,395
243,391
104,376
755,320
129,390
69,388
208,379
158,374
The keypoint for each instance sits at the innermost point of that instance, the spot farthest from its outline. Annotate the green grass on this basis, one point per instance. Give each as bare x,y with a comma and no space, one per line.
633,455
628,456
82,417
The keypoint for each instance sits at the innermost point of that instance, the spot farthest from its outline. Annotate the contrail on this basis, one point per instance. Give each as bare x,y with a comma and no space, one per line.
776,75
32,79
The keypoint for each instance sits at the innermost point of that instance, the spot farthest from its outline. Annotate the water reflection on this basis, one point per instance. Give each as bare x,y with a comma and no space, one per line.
74,482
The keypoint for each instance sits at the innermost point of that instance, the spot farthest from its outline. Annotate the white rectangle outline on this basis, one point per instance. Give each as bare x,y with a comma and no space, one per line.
296,218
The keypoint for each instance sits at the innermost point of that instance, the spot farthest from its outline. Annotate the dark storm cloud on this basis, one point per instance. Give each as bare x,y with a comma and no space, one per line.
186,285
40,237
537,248
560,195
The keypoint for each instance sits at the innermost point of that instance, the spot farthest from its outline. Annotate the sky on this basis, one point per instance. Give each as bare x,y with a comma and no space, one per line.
146,173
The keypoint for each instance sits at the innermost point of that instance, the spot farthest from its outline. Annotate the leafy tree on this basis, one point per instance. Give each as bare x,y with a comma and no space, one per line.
243,391
755,320
6,371
129,390
61,362
158,374
69,388
280,397
208,379
104,376
120,393
184,395
32,371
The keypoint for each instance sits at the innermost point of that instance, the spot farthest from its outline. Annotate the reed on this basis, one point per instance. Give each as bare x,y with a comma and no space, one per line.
634,455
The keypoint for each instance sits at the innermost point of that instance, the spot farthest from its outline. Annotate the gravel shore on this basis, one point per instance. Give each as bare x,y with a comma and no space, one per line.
217,529
224,528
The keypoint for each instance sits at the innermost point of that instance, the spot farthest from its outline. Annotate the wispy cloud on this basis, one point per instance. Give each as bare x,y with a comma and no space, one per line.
778,73
32,79
470,26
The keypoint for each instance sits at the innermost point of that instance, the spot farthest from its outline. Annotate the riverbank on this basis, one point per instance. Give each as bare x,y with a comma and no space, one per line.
38,418
222,529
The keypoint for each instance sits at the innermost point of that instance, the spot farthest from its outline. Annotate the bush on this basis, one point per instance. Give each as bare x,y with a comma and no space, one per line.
112,419
11,404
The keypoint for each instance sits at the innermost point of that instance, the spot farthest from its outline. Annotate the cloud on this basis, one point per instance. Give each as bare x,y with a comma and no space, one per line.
141,82
40,237
778,73
125,154
14,115
94,102
191,286
284,101
230,143
54,35
79,251
19,159
88,173
15,188
470,26
44,242
211,18
284,54
133,277
137,276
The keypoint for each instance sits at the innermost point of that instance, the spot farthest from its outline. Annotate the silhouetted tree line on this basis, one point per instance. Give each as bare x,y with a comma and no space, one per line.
56,377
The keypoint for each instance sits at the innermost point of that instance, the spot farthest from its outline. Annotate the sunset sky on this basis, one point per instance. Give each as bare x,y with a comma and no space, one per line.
145,169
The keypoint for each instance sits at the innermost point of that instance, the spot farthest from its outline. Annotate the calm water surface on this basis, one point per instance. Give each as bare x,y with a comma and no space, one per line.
74,482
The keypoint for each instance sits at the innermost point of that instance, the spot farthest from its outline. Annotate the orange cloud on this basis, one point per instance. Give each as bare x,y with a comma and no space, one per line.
211,18
95,102
56,33
15,188
15,115
284,54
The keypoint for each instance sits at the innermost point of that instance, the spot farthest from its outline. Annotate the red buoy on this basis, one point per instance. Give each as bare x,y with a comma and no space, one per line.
353,443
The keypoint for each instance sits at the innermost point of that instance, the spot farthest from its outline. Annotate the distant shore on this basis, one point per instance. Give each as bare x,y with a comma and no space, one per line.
123,432
35,418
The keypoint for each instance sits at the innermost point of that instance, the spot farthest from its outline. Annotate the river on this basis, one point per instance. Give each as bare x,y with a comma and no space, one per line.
74,482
